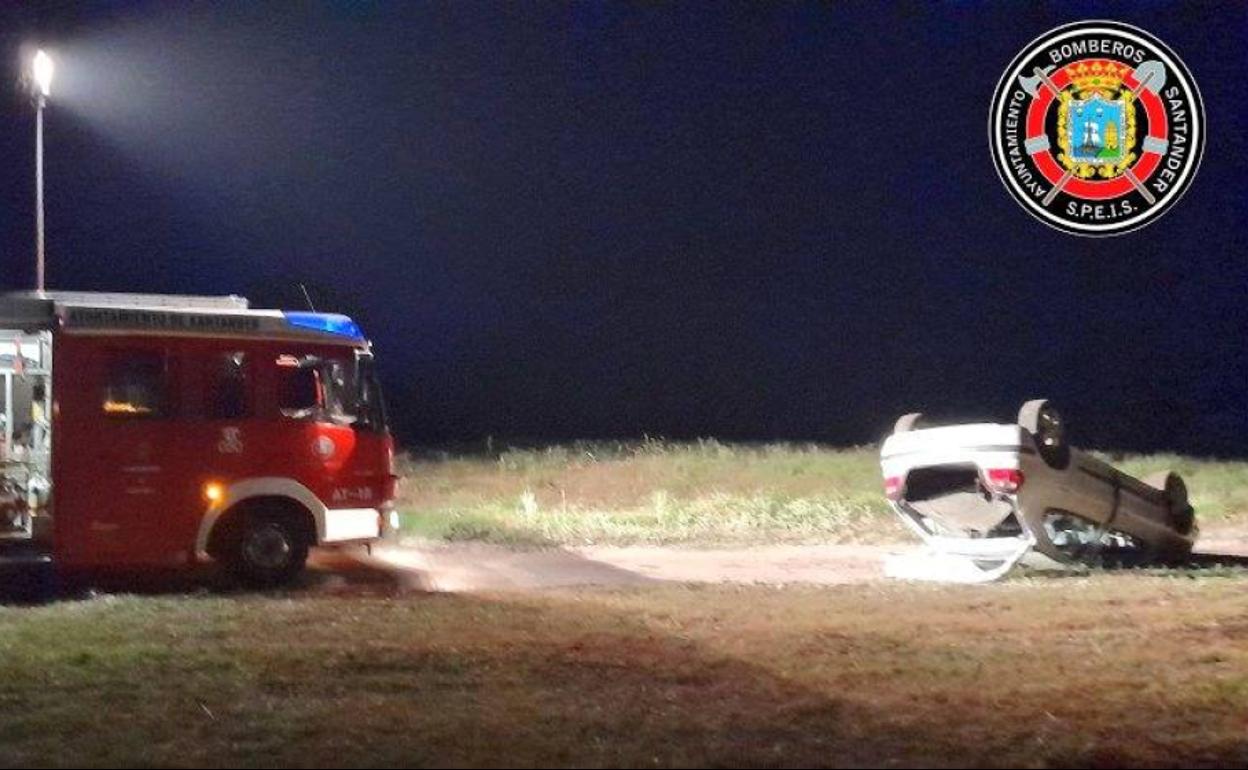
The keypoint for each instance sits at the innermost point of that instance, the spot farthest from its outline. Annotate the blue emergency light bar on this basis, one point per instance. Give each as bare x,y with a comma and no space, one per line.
331,323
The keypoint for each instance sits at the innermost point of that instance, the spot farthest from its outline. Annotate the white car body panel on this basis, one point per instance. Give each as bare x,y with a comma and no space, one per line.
996,529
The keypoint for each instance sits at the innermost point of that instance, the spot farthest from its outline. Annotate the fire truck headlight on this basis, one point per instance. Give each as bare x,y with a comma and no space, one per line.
394,520
213,492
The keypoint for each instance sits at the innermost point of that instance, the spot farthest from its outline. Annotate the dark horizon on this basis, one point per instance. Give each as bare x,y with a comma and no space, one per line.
556,222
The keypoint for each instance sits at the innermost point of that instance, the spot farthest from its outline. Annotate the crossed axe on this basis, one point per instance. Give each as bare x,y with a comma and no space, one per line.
1150,75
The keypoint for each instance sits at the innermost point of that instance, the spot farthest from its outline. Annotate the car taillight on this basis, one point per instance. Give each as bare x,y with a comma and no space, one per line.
1007,480
893,486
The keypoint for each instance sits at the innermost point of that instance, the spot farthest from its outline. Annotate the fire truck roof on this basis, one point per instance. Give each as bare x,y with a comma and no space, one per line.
230,315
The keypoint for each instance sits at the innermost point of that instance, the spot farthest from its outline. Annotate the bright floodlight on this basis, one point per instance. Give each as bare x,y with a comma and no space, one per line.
42,70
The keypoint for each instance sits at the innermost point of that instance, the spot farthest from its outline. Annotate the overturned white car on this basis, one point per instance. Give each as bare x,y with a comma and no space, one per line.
985,496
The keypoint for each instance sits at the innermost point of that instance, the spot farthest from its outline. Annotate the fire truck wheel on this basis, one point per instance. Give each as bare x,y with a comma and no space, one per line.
269,549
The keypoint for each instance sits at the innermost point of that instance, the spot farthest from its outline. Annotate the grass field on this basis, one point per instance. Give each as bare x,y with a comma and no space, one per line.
1104,669
1111,670
703,493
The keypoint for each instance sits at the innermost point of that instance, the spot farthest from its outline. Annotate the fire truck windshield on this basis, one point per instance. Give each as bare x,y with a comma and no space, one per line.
370,405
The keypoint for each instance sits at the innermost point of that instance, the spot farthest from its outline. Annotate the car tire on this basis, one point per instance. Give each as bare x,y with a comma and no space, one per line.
267,549
908,422
1182,517
1041,419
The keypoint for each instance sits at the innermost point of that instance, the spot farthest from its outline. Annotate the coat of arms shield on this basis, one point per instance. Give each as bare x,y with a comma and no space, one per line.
1095,127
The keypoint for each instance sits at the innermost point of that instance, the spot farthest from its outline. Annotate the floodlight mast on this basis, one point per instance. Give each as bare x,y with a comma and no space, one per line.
41,77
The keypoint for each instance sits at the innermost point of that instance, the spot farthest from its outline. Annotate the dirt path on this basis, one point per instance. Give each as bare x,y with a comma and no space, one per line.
471,567
479,567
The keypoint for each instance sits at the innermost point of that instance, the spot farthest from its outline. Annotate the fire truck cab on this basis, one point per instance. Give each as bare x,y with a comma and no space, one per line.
151,430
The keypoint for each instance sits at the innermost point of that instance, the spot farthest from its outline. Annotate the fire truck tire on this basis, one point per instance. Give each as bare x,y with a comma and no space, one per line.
267,547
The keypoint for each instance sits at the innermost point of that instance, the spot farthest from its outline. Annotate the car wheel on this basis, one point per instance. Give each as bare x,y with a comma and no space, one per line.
908,422
1041,419
268,550
1182,517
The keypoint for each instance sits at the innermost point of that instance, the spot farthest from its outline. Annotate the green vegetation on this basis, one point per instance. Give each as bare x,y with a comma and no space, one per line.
649,492
1218,488
1111,670
703,493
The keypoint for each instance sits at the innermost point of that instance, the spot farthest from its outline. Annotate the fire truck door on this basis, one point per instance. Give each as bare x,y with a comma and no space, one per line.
116,475
128,520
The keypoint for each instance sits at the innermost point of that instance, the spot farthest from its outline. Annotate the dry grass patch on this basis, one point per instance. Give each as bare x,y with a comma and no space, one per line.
1108,670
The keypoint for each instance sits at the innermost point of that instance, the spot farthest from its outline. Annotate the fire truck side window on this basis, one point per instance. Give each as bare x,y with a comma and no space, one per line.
316,388
227,387
300,393
136,384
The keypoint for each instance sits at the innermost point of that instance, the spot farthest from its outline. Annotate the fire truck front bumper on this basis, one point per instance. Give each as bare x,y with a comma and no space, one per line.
347,525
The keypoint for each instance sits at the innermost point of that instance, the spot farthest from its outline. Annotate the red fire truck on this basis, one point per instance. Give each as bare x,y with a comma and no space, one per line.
152,430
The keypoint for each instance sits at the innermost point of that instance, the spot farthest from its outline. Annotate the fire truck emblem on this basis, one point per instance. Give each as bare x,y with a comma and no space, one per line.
231,442
324,447
1097,128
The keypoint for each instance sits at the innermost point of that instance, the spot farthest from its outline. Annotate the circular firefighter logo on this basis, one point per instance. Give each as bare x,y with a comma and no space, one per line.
1097,128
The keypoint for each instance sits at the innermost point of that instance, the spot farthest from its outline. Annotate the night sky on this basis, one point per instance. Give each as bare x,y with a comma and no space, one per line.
740,220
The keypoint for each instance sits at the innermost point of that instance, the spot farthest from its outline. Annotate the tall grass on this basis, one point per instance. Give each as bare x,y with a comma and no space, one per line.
703,492
648,492
1218,489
